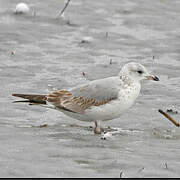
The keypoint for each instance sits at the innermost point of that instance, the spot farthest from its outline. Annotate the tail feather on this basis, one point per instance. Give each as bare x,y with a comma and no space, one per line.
32,98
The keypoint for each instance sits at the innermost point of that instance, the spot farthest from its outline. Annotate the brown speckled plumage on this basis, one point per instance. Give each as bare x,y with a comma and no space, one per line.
63,99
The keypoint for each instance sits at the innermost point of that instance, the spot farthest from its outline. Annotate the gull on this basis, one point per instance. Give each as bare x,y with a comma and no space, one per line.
98,100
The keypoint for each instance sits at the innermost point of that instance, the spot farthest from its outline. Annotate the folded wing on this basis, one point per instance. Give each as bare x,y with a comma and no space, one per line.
77,100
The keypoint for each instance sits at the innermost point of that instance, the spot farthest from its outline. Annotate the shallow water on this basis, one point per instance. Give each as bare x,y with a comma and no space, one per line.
48,54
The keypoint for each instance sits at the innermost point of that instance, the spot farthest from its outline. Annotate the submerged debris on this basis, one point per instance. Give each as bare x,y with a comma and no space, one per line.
171,111
106,135
12,53
86,39
41,126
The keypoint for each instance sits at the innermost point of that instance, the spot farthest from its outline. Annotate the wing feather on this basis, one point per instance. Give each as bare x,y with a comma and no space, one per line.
79,99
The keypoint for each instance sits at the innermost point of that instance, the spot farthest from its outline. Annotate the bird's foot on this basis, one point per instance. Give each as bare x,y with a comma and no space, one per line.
98,129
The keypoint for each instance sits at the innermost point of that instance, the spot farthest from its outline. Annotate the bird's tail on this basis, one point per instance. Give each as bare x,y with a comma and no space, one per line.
31,98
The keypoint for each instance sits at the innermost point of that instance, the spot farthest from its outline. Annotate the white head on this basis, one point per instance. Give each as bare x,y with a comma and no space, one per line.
136,72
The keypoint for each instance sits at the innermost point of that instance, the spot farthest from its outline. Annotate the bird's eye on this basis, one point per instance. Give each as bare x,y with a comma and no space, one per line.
140,72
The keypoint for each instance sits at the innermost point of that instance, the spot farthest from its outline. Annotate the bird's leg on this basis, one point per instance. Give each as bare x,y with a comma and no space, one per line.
98,129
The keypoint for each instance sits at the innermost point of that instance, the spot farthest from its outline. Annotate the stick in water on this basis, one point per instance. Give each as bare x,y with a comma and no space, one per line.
66,5
169,117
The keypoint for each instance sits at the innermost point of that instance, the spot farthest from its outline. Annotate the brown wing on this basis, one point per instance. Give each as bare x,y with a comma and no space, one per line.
63,99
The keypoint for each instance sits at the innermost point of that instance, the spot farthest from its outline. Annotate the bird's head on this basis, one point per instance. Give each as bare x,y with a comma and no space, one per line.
136,72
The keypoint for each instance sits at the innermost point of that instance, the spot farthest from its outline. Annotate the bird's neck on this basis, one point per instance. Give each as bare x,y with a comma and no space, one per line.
130,86
126,79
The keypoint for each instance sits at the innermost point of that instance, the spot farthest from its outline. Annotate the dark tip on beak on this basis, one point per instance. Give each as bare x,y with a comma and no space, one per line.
155,78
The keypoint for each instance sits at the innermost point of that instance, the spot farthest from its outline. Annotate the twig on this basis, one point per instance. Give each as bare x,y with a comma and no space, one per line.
110,62
106,35
169,117
83,73
34,12
66,5
40,126
141,169
121,174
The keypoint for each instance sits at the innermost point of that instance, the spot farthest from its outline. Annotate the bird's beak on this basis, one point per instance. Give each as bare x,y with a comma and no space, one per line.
151,77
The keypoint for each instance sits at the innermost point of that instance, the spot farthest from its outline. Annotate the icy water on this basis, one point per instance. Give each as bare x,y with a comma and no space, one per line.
40,52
